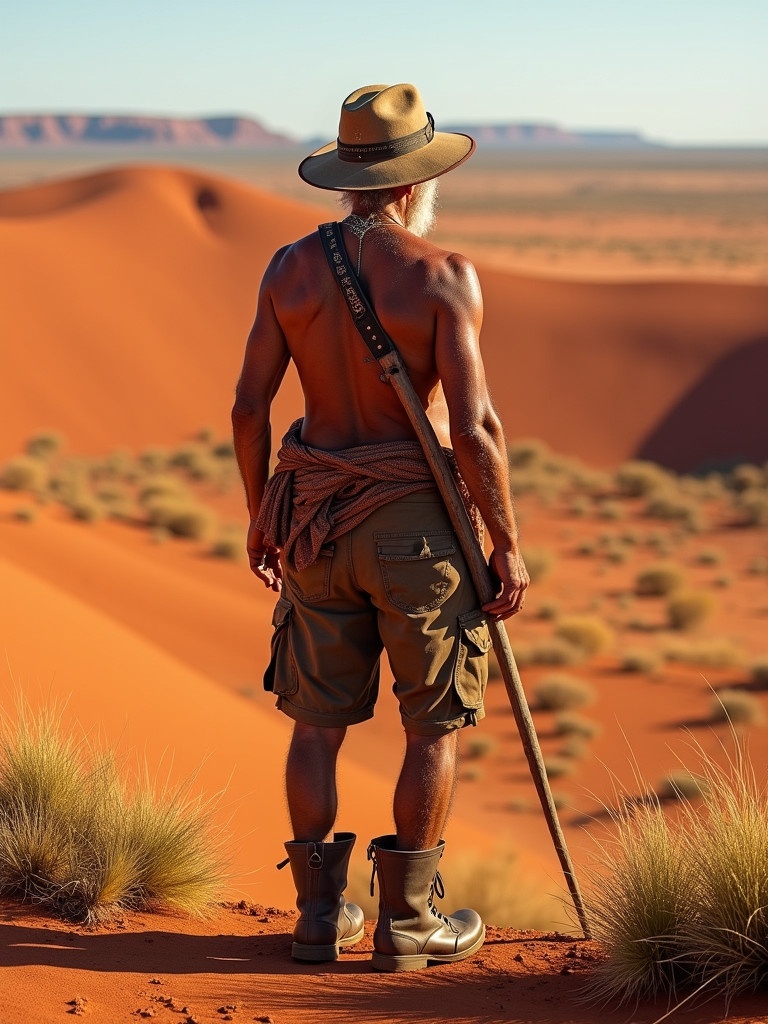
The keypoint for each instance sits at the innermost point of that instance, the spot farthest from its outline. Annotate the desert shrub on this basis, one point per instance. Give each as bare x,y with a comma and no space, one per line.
758,566
712,652
558,767
25,514
25,473
759,673
671,505
548,609
154,460
589,633
568,723
526,452
637,479
73,836
752,508
181,518
686,900
579,507
641,660
736,707
725,579
560,693
609,510
586,548
224,450
197,464
617,555
710,556
538,562
476,747
161,485
86,508
229,545
746,477
552,651
687,609
44,445
681,784
572,749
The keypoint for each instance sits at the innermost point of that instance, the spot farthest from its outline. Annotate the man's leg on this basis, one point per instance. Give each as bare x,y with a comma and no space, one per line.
425,789
310,781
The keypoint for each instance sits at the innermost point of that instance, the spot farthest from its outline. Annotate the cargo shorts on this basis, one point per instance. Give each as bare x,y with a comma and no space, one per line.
396,582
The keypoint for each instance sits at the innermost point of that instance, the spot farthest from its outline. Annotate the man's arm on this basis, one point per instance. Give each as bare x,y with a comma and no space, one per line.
476,432
266,360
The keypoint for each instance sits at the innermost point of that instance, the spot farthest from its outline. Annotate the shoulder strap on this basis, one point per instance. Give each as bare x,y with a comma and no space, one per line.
365,320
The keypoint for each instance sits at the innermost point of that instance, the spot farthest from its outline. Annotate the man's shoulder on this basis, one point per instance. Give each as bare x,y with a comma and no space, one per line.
289,256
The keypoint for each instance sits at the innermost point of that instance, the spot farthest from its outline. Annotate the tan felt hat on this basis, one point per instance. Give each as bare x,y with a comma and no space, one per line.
386,138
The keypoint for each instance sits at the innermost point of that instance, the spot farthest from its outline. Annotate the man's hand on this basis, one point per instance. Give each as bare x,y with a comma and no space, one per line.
265,560
509,572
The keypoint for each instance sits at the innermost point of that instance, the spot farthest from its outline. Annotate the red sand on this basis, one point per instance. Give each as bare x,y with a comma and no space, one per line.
129,295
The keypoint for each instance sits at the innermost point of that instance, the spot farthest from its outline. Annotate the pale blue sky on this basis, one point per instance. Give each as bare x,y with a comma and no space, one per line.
691,71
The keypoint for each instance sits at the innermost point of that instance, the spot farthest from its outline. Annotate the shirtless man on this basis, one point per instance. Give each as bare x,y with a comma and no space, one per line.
352,535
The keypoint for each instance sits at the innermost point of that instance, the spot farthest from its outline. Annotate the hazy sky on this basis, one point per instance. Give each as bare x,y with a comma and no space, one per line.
678,70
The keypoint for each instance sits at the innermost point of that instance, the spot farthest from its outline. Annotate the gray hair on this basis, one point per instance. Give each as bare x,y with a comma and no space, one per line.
369,201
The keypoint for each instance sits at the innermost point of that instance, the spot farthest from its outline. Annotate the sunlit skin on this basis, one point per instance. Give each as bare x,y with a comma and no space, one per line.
429,301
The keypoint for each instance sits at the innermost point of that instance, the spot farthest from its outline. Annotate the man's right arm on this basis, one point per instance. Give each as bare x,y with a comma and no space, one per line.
264,366
476,433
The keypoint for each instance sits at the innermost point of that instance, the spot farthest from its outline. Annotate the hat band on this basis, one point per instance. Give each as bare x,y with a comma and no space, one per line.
355,154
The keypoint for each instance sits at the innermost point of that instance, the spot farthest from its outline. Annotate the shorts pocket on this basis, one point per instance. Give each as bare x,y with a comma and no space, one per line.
416,568
471,672
280,675
314,582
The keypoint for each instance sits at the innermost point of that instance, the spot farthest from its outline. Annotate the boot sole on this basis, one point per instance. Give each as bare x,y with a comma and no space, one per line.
389,962
318,954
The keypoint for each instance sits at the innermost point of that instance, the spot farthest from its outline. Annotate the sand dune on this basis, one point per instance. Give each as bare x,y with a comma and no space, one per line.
127,296
118,685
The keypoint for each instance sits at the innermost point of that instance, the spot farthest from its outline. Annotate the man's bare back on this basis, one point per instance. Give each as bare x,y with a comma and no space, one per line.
413,286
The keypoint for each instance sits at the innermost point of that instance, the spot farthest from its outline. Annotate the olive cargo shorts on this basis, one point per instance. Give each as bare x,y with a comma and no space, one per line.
398,582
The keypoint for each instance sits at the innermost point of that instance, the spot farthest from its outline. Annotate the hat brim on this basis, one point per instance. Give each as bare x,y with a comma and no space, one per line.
447,150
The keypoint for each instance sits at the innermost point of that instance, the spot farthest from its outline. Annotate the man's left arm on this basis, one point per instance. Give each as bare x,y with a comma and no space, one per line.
264,366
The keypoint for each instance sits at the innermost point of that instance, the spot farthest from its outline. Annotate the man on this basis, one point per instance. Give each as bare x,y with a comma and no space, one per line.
352,535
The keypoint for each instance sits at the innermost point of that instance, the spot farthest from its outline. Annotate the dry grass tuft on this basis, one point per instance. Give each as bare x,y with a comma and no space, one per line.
588,633
686,900
561,693
687,609
659,580
75,836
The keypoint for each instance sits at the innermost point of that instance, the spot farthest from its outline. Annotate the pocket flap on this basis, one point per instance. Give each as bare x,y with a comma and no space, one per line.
282,612
476,630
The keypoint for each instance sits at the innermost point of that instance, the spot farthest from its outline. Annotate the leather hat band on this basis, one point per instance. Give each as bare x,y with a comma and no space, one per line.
365,153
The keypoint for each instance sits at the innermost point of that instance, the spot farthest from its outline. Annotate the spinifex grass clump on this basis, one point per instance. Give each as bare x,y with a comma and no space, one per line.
74,835
685,899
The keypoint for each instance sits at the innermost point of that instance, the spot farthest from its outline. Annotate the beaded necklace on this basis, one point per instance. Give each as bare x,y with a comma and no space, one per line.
360,226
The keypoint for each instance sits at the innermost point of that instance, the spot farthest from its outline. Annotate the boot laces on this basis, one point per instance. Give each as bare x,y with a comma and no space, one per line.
438,889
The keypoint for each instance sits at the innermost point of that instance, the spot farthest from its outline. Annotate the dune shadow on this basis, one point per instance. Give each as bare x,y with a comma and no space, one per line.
721,419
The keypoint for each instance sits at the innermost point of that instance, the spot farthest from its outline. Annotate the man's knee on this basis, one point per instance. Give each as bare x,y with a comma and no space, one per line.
318,737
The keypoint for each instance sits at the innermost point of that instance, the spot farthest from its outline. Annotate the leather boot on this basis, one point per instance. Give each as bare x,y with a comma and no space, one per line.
326,920
410,932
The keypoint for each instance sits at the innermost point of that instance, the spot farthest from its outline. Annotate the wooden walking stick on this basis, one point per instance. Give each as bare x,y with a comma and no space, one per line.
394,372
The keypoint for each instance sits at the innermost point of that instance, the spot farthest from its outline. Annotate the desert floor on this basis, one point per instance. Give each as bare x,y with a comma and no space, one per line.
134,297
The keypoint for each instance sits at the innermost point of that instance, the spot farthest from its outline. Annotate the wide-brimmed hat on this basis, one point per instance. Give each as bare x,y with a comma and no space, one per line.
386,138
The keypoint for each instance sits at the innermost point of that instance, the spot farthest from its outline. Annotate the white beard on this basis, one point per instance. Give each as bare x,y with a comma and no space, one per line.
421,211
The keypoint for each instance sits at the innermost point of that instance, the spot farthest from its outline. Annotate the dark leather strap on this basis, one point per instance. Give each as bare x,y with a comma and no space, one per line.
365,320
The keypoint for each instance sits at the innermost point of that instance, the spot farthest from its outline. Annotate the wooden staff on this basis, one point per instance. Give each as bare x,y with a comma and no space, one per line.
395,373
394,368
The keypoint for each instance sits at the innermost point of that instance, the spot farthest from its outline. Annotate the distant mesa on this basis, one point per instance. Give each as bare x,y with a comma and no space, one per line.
64,131
549,136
